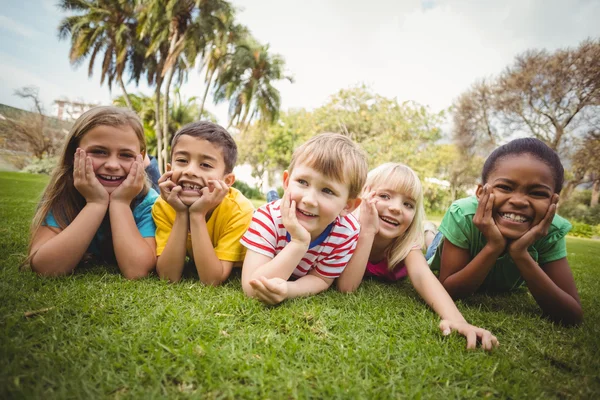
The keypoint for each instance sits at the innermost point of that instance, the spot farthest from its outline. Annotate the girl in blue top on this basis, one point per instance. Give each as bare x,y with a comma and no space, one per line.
98,200
509,234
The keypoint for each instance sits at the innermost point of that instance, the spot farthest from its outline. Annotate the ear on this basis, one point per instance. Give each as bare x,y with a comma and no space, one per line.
286,179
168,166
229,179
351,205
479,191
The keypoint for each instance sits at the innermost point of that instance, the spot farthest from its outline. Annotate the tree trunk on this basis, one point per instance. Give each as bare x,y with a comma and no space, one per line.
157,128
595,193
125,94
206,92
166,118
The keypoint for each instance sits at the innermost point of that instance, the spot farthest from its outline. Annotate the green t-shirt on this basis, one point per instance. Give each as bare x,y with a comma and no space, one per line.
457,226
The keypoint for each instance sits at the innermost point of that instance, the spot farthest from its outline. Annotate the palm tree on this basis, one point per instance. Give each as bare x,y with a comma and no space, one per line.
178,31
222,48
101,27
246,81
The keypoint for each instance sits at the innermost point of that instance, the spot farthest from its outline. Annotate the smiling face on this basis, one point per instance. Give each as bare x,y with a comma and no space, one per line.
396,212
113,151
319,199
523,187
195,162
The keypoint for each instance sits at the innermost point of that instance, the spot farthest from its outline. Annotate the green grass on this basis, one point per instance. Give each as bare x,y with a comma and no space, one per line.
107,337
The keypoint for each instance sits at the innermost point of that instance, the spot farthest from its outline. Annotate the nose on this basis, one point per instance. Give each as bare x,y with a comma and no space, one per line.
309,198
112,163
518,200
395,206
190,170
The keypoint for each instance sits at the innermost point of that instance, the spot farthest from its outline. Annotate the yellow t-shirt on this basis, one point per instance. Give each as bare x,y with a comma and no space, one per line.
227,224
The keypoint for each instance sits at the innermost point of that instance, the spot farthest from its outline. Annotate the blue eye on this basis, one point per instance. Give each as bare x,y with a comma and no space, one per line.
409,205
328,191
302,182
384,196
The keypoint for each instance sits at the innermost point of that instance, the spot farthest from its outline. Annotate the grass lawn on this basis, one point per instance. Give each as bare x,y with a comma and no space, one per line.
104,336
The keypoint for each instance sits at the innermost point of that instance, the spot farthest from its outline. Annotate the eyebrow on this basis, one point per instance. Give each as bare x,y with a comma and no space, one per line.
203,156
537,185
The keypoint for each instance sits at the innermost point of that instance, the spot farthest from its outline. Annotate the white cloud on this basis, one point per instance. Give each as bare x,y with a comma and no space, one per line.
13,26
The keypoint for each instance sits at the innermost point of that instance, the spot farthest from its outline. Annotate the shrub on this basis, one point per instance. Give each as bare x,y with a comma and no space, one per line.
581,229
249,192
44,166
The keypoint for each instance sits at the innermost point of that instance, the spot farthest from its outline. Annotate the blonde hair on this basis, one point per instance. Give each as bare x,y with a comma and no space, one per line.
401,179
337,157
60,196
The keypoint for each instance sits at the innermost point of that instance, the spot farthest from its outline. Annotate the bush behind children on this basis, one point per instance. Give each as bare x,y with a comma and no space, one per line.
99,203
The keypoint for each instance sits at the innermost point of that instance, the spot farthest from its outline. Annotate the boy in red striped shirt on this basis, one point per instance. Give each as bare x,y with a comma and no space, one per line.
298,245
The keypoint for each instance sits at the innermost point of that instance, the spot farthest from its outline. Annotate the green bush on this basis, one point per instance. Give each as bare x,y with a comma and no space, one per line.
581,229
248,191
44,166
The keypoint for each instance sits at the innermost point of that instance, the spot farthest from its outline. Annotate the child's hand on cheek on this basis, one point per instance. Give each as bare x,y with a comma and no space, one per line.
169,192
85,181
518,248
369,217
270,291
132,185
484,220
212,196
297,232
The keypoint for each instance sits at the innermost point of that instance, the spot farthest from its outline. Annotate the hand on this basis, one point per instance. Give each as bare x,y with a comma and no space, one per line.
484,221
210,197
518,248
270,291
85,181
132,185
297,232
471,332
169,192
368,216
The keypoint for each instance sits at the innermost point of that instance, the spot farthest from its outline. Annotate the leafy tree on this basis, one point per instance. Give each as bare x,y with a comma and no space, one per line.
246,80
548,95
101,27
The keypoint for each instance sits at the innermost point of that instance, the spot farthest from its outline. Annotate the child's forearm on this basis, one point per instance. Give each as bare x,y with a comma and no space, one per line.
61,254
171,261
308,285
554,301
135,257
211,270
282,265
354,272
467,280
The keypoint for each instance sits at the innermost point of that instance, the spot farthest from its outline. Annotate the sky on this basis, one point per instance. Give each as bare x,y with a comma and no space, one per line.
428,51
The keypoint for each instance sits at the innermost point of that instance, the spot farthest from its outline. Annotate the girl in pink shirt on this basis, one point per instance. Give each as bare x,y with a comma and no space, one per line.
389,247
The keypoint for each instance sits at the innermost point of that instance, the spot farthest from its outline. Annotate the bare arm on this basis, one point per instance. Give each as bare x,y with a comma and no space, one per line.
354,272
462,276
136,256
553,288
171,261
430,288
211,270
275,290
57,252
281,266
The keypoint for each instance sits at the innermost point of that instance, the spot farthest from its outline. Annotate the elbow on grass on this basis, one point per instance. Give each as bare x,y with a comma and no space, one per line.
346,288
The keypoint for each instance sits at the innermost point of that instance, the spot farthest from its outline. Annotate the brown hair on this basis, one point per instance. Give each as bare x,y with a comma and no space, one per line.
60,197
214,134
337,157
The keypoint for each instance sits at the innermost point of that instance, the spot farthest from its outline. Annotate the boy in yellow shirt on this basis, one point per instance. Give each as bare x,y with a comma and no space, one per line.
199,213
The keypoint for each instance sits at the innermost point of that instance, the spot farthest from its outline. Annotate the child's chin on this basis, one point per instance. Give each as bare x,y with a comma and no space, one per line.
189,200
512,234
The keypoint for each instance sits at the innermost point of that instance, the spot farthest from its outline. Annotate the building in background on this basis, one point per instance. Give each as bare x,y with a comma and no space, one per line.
67,110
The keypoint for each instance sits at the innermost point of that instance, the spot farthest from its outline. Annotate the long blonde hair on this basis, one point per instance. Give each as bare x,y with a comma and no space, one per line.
402,179
60,196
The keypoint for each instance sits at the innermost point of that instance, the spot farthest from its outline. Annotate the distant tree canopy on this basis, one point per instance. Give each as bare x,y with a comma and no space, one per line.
551,96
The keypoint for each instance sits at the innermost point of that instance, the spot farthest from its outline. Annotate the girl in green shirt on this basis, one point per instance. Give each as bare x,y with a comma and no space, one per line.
509,234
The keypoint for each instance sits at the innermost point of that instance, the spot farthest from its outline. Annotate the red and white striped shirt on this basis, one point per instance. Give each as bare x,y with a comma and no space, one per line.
328,254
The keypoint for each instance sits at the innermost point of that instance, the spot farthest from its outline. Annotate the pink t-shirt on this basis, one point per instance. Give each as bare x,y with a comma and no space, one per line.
380,269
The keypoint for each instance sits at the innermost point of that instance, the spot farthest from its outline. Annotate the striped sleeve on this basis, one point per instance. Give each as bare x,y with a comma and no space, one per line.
343,243
261,236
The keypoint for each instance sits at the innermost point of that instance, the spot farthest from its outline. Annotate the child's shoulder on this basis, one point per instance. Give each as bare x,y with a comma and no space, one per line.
235,201
464,206
559,228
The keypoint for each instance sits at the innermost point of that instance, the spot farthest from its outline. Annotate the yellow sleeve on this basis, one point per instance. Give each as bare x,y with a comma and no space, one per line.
236,221
164,216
